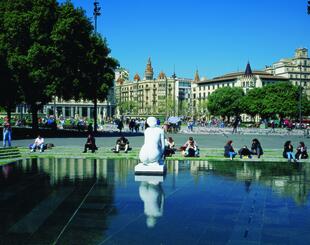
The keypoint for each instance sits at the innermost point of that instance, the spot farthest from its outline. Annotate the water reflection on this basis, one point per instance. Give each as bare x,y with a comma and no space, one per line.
152,195
288,180
103,200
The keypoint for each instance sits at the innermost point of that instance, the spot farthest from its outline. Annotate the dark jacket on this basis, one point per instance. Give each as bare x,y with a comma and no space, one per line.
244,152
257,149
228,148
287,148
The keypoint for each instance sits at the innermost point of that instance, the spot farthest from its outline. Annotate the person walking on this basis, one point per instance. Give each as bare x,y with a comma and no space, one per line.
7,132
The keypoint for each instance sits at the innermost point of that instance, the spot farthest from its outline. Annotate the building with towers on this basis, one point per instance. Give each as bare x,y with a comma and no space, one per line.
202,88
163,95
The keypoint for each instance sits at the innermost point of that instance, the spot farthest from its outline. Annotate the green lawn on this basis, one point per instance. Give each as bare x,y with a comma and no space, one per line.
75,152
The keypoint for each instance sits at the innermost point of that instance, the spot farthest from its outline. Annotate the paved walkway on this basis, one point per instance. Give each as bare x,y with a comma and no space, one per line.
204,140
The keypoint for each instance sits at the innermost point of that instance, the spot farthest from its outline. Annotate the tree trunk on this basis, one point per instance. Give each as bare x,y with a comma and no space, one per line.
34,111
95,115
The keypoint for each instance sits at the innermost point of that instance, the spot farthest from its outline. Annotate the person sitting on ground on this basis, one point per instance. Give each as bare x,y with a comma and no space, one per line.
288,151
244,151
169,147
229,150
256,148
122,143
90,144
38,144
190,148
301,151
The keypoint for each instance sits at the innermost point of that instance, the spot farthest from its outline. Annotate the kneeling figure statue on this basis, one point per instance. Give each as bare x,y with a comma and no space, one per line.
151,153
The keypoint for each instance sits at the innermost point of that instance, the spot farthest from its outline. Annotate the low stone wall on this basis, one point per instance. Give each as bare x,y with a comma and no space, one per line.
246,131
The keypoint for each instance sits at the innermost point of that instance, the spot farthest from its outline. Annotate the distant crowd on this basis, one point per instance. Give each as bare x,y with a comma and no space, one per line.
188,149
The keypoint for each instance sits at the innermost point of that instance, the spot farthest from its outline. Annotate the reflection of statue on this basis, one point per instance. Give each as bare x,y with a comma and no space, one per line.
152,195
154,144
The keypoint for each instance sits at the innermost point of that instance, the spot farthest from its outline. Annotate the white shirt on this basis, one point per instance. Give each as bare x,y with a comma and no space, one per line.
39,141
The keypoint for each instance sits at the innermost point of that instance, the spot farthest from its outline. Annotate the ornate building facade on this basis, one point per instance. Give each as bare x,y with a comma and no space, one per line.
247,80
297,69
157,96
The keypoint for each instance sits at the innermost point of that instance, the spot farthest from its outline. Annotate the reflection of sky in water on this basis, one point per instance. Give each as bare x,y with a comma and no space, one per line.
76,201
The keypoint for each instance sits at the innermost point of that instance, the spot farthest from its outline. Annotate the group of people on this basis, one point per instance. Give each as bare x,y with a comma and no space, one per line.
256,149
191,149
301,151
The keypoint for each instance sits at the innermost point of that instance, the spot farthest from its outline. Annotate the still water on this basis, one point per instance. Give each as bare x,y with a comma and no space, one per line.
76,201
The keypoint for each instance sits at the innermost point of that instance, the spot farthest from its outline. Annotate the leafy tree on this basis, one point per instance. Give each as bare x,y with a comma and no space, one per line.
9,94
89,68
280,99
202,107
252,103
225,102
129,106
52,51
99,74
183,108
26,27
71,37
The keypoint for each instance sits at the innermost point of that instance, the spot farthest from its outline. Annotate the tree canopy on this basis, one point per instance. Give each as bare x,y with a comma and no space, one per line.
225,102
49,49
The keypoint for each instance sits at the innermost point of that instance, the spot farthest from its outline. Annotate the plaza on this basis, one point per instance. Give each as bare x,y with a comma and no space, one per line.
151,122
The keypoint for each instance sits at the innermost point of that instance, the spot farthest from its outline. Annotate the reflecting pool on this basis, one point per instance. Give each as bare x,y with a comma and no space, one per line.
78,201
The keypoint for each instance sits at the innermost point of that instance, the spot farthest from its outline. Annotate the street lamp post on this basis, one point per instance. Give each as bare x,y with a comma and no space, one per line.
174,92
96,14
166,86
300,97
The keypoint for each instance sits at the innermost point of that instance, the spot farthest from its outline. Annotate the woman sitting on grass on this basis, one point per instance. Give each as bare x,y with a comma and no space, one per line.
229,150
288,151
301,151
90,144
169,147
190,148
256,148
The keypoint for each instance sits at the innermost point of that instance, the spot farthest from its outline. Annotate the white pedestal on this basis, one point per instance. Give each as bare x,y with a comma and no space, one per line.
154,179
150,169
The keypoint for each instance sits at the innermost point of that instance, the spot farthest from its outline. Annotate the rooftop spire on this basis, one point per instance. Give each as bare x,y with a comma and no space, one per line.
149,70
248,70
197,78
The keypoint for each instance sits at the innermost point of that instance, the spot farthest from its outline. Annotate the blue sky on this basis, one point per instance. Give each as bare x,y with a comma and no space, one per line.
213,36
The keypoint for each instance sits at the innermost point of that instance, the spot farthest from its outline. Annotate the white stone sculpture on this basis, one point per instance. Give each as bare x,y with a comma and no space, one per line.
154,143
151,153
152,195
